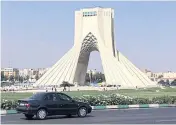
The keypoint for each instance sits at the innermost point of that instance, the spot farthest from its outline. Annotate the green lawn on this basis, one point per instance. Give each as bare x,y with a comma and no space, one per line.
147,93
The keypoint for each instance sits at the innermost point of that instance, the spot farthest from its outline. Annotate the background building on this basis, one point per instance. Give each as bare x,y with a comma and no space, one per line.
7,72
171,76
158,76
92,76
22,75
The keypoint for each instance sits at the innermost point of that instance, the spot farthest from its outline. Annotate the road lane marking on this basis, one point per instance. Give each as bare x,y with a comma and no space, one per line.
166,120
10,115
9,122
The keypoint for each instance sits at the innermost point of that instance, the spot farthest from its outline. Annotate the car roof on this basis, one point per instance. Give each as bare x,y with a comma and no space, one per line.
50,92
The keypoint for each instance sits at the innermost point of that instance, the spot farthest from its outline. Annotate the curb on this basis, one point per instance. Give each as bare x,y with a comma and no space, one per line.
4,112
132,106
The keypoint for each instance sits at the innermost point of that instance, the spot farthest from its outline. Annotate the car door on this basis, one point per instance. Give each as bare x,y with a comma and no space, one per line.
66,105
50,101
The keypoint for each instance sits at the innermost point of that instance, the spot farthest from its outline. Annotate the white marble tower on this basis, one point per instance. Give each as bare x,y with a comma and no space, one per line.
94,31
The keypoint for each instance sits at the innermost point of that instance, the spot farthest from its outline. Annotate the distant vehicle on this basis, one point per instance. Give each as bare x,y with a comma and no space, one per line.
52,103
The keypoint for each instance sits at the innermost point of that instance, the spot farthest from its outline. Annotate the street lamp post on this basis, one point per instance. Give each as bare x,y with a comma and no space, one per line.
90,76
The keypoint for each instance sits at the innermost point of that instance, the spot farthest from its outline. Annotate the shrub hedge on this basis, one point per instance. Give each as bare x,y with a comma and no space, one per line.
102,100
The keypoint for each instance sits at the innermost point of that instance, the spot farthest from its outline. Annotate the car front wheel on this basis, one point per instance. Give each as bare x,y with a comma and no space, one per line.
41,114
29,116
82,111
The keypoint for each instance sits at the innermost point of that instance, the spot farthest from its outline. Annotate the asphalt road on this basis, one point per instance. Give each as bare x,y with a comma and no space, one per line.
123,116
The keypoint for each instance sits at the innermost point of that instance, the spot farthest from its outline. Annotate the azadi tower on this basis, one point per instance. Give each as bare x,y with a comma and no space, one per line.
94,31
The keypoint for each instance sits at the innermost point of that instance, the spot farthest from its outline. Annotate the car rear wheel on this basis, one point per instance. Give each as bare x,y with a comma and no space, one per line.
29,116
41,114
82,112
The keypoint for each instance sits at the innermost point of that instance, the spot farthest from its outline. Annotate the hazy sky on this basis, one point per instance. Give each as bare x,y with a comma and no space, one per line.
37,34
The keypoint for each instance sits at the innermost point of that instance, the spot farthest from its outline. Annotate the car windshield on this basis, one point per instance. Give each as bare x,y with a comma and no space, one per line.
37,96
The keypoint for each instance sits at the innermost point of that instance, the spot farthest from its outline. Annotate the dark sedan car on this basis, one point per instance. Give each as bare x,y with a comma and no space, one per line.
52,103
